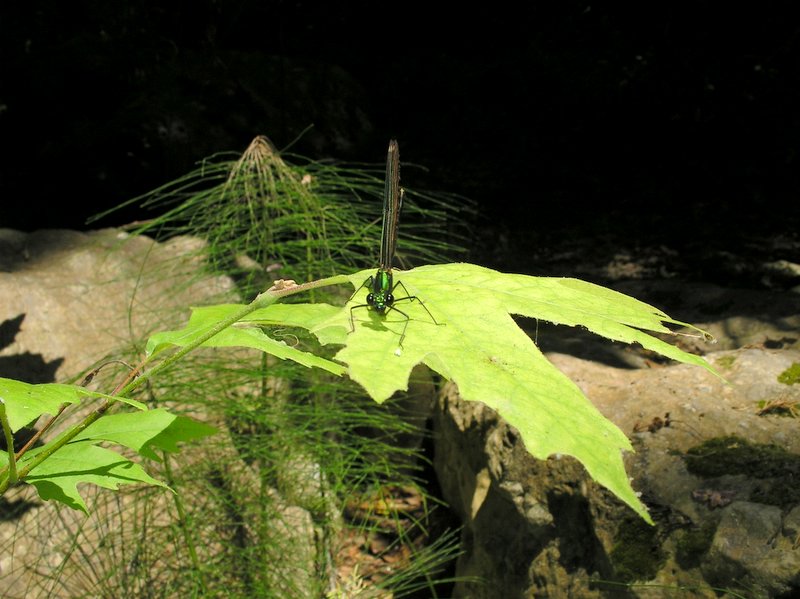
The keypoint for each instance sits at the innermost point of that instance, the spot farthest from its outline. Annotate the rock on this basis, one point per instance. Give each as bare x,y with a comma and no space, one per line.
749,550
71,299
526,524
791,526
544,528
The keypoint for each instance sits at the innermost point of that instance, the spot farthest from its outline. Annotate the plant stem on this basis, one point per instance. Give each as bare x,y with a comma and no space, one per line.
40,432
262,301
183,523
12,461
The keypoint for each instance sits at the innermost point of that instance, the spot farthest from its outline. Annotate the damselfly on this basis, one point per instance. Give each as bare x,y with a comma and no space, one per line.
382,287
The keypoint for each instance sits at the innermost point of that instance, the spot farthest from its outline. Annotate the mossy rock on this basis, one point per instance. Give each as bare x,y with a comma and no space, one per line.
777,469
692,545
637,554
725,362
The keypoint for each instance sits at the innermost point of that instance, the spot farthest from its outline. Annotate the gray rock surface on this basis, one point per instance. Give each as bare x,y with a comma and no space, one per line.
70,299
545,529
747,546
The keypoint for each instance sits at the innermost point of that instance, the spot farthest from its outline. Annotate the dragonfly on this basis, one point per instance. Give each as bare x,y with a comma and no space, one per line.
381,297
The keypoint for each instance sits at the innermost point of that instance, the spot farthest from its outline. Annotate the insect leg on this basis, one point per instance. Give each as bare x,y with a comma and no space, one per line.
412,298
352,322
405,326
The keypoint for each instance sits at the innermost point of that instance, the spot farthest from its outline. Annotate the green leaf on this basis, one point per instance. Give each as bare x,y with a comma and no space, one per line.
247,332
479,346
26,402
144,431
57,477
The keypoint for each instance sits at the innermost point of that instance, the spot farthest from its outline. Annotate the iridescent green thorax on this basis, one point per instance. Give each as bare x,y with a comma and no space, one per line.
381,297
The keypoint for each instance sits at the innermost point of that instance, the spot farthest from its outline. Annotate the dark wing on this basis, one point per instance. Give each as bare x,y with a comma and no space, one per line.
392,201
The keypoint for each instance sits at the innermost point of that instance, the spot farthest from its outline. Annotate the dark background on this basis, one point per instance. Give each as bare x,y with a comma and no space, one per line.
565,118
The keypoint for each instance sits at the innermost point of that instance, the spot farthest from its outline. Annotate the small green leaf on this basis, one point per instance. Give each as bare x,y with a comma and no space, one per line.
181,430
143,431
26,402
57,477
247,332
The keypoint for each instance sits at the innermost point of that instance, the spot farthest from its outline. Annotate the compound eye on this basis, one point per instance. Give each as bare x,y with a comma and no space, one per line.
370,298
389,299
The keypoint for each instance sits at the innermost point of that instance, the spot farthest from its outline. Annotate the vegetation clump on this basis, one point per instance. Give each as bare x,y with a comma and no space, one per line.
725,362
791,375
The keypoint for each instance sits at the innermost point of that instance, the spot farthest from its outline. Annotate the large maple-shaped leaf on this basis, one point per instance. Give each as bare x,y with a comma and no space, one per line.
478,345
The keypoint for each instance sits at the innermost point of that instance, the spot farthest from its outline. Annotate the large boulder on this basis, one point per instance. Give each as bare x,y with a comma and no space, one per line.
717,462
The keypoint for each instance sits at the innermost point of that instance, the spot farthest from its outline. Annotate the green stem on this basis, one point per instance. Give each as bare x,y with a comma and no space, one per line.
12,460
262,301
184,524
